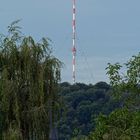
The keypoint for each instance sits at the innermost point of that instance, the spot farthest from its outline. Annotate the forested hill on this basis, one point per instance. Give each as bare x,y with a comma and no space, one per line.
81,105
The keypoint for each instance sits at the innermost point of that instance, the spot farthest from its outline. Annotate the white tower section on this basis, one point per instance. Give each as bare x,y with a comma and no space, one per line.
73,40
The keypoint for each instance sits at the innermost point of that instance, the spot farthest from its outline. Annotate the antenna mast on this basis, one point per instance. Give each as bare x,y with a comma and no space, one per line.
74,40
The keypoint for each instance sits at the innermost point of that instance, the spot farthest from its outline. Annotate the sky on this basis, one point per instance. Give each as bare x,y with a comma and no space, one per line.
106,31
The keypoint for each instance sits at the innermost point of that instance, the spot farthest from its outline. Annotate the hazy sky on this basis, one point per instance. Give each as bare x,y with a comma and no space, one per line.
107,31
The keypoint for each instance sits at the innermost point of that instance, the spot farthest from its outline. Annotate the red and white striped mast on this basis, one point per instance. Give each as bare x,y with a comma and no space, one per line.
74,40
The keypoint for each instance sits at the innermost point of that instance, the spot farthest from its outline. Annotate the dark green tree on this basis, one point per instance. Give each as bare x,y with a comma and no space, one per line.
81,105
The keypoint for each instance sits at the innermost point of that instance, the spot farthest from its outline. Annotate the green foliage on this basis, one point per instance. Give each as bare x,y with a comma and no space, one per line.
126,85
121,124
81,137
82,104
113,72
29,77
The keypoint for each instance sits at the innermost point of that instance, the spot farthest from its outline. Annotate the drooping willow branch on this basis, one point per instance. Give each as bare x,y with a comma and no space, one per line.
29,77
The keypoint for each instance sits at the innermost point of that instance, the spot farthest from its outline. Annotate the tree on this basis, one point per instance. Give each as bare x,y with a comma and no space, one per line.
123,123
29,77
126,85
81,105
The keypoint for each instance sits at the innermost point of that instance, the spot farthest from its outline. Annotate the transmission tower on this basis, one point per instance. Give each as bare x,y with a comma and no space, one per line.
74,40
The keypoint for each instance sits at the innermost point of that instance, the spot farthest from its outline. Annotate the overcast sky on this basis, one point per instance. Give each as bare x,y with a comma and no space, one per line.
107,31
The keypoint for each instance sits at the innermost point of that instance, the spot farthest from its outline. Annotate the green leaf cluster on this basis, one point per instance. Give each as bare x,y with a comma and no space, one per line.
121,124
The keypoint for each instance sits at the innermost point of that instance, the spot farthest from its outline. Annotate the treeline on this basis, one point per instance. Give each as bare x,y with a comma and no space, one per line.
81,105
92,114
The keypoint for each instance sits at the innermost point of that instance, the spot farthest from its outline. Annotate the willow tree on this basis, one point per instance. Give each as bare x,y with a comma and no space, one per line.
29,77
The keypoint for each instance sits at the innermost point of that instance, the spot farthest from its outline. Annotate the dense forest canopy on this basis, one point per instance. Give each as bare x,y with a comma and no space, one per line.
82,104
